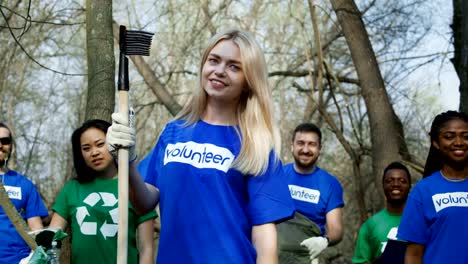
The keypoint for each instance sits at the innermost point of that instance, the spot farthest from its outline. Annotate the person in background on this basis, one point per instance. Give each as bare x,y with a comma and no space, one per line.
215,169
377,230
317,194
89,204
26,199
434,218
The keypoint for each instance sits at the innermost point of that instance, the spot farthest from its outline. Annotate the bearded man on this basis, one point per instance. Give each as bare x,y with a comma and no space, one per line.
317,194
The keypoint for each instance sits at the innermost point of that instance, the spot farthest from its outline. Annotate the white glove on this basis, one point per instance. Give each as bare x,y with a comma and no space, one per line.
315,245
26,259
121,136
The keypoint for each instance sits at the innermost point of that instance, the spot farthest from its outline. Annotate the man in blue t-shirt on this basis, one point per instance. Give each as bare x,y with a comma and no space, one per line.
26,199
317,194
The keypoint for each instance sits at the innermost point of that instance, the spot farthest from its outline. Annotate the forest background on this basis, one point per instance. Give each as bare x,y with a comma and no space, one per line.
58,59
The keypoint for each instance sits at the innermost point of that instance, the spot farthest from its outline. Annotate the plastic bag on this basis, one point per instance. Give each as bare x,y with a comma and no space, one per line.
290,235
38,256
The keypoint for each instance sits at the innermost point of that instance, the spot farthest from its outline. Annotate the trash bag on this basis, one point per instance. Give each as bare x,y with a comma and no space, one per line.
38,256
44,238
290,235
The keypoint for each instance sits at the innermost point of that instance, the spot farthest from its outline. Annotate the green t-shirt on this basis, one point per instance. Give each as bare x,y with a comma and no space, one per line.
374,234
92,210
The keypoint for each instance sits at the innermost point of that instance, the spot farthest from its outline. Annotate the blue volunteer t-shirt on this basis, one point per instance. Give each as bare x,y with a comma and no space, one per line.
208,208
314,194
28,203
435,216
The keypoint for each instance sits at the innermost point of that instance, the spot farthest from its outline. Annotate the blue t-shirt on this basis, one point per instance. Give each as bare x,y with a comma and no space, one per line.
314,194
27,201
208,208
435,216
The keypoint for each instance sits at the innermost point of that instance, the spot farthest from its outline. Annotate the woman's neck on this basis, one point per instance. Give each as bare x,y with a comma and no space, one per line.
218,114
455,173
108,173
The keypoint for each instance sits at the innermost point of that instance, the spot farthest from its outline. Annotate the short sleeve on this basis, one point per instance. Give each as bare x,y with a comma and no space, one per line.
362,252
412,226
151,215
269,198
336,195
35,206
61,202
149,166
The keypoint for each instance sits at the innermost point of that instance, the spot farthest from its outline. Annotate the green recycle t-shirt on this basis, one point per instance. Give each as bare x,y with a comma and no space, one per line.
374,234
92,210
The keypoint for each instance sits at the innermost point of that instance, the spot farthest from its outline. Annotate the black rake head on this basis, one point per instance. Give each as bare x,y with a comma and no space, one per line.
131,42
135,42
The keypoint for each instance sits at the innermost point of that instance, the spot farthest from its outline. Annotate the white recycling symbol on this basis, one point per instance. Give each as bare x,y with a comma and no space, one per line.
90,228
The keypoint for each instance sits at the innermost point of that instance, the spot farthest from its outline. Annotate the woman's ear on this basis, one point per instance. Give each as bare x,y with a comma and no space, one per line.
435,144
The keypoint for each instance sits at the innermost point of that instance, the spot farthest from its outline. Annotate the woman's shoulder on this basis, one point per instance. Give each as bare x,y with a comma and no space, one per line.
430,180
176,123
426,187
72,183
173,126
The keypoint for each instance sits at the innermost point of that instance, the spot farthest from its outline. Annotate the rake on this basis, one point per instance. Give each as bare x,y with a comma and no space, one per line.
131,42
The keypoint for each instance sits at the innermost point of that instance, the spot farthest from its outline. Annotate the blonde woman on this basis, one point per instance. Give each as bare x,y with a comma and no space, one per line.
215,170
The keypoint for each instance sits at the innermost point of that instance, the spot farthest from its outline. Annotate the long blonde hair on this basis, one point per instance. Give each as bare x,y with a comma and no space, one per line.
258,131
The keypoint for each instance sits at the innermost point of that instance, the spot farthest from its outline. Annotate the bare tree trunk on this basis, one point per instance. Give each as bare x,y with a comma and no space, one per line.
101,71
460,59
387,136
101,61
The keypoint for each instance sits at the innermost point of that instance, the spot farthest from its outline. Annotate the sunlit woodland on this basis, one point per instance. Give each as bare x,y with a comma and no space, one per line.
59,58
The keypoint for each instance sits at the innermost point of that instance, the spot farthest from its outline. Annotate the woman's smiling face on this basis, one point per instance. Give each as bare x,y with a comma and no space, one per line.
453,141
223,78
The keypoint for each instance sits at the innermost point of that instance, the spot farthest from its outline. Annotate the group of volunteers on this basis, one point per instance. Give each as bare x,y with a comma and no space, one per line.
429,219
224,195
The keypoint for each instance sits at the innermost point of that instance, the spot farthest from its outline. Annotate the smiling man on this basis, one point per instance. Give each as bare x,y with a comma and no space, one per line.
317,194
377,230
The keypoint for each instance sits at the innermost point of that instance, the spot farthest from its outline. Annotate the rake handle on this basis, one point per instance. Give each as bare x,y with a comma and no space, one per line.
123,166
130,43
15,218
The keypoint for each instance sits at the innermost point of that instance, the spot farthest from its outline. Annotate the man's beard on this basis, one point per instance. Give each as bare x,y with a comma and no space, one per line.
305,166
3,163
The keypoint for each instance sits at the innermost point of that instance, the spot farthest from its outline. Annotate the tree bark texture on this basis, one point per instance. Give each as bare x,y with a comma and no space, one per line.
101,61
460,59
386,129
